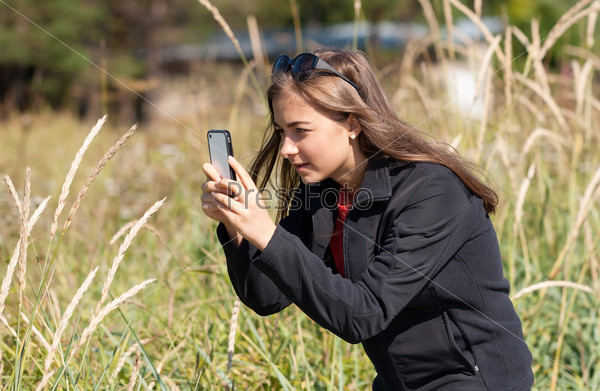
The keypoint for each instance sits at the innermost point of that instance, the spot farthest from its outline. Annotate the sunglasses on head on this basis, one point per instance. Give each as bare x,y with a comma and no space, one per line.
303,64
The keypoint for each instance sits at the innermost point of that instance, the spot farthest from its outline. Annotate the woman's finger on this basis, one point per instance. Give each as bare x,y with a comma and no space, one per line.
225,202
243,175
212,186
230,187
211,172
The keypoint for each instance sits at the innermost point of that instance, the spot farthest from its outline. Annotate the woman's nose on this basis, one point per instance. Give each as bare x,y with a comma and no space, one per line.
288,148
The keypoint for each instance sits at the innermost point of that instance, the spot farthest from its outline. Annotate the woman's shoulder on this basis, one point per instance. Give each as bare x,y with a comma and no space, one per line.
421,178
419,170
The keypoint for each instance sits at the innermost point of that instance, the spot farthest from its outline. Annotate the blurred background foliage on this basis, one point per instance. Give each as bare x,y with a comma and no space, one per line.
126,39
539,141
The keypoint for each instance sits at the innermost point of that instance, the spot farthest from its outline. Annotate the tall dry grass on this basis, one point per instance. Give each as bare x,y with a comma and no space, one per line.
536,136
32,309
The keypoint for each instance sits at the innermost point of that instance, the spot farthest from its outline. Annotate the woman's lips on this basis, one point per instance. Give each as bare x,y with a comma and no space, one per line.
301,167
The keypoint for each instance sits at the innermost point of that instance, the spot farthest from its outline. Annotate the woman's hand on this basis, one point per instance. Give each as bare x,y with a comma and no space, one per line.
209,187
243,212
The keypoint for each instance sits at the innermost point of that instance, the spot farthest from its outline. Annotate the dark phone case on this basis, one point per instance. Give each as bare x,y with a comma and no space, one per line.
229,146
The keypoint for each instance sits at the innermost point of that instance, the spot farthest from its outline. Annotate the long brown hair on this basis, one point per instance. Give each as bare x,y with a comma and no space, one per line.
383,132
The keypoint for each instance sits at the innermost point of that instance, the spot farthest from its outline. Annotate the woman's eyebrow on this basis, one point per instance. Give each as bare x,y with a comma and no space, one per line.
292,124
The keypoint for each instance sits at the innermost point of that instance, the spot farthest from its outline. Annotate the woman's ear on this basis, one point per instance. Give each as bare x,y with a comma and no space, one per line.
354,127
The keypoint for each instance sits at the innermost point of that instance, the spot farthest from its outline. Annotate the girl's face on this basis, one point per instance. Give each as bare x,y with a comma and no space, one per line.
317,146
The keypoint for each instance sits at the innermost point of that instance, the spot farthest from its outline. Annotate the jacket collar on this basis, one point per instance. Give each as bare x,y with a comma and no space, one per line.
376,185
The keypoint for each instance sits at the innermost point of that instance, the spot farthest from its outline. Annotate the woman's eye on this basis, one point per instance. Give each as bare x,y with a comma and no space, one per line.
301,130
279,131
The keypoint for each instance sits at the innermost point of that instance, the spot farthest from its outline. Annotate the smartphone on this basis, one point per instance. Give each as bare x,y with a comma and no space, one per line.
219,148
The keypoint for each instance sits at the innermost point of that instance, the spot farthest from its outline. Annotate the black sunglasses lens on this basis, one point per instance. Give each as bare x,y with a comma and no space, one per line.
303,65
281,64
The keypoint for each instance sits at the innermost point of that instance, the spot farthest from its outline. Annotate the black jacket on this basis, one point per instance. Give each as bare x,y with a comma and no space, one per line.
424,290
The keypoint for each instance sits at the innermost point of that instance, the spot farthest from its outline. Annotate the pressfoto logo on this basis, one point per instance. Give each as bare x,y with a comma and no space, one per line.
295,199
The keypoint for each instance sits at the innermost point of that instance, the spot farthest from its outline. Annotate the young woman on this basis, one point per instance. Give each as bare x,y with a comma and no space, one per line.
385,240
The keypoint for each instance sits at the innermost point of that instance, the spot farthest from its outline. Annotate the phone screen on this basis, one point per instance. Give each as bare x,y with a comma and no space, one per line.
219,147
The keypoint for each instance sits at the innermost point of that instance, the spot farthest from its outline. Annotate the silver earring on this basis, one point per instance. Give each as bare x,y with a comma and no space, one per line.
352,136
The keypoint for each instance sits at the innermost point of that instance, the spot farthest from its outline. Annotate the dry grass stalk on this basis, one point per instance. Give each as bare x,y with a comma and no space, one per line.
468,44
548,284
357,8
232,331
521,198
449,29
54,306
94,174
508,74
37,333
13,193
572,16
478,8
255,42
426,102
537,58
520,36
436,36
477,21
100,315
546,97
591,27
487,108
122,231
582,81
533,109
63,325
587,201
24,237
297,26
219,19
5,323
38,212
556,140
135,371
130,224
128,353
16,253
10,270
484,70
507,161
124,246
71,173
413,49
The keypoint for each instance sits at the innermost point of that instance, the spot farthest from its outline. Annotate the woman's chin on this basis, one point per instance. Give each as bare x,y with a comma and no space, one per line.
310,179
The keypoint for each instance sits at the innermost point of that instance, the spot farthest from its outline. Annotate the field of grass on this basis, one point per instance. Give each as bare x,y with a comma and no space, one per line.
129,293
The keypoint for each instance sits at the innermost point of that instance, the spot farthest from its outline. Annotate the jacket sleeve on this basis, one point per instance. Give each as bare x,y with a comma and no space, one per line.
253,288
426,233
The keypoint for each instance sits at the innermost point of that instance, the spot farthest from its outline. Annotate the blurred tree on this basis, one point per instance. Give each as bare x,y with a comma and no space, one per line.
36,69
34,65
336,11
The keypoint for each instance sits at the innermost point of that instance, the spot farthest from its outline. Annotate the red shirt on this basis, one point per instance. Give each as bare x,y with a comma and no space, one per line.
344,205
